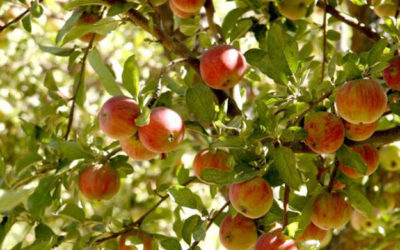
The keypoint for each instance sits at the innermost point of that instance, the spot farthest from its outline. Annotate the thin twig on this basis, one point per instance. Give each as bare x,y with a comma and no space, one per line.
215,29
15,20
285,206
333,176
323,44
111,154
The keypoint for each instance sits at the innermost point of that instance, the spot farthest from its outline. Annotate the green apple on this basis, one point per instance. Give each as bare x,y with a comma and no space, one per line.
294,9
385,8
389,156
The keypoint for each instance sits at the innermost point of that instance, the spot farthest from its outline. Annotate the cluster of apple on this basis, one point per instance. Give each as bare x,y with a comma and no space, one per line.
164,132
186,8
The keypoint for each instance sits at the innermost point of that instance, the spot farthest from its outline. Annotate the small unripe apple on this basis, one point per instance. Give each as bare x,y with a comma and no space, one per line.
330,210
87,18
99,182
362,223
387,8
251,198
370,156
188,6
359,132
238,233
222,66
389,157
117,117
294,9
387,202
391,74
312,232
165,131
275,241
361,101
325,132
143,237
180,13
135,149
209,159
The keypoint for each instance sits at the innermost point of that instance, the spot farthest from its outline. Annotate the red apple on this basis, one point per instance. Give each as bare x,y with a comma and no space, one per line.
359,132
209,159
275,241
325,132
330,210
238,233
164,132
251,198
312,232
361,101
222,66
135,149
99,182
117,117
391,74
87,18
143,237
180,13
369,154
188,6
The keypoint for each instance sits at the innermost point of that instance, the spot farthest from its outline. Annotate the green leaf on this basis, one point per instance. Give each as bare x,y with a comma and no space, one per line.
359,2
375,54
105,75
230,20
351,159
200,101
358,200
188,226
10,199
144,118
285,164
242,27
333,35
395,108
239,174
184,197
76,3
170,244
68,25
81,93
119,8
27,160
49,81
26,23
276,49
130,76
36,9
56,50
73,211
43,232
72,150
41,197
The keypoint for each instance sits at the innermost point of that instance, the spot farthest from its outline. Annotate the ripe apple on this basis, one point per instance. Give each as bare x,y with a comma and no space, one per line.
143,237
238,233
369,154
209,159
180,13
188,6
391,74
359,132
312,232
362,223
251,198
325,132
294,9
164,132
222,66
275,241
361,101
389,156
87,18
135,149
330,210
99,182
117,117
386,9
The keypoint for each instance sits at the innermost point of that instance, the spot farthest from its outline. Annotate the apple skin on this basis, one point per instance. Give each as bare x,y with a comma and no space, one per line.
294,9
389,157
145,238
325,132
391,74
238,233
361,101
135,149
389,8
165,131
188,6
369,154
87,18
222,66
180,13
330,210
117,117
251,198
275,241
312,232
359,132
99,182
361,223
208,159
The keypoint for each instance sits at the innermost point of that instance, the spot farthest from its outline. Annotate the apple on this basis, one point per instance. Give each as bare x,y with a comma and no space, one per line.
252,198
325,132
165,131
188,6
359,132
222,66
294,9
389,156
275,241
87,18
362,223
210,159
180,13
393,98
312,232
135,149
391,74
143,237
385,8
369,154
361,101
238,233
99,182
330,210
117,117
387,202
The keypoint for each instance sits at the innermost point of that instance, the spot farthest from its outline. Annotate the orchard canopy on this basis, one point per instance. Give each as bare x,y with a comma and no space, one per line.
200,124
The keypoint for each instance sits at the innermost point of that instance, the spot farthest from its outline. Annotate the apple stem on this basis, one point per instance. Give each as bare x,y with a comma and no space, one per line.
163,156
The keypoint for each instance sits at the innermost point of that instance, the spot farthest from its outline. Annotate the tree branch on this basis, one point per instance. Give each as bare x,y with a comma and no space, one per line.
366,30
15,20
215,29
285,206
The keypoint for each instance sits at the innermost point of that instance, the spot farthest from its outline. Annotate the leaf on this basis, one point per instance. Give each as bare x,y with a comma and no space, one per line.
188,227
144,118
27,160
36,9
276,42
130,76
72,150
26,23
239,174
119,8
68,25
58,51
105,75
395,108
49,81
41,197
358,200
10,199
170,244
184,197
73,211
81,93
200,101
76,3
375,54
351,159
285,164
43,232
230,20
242,27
